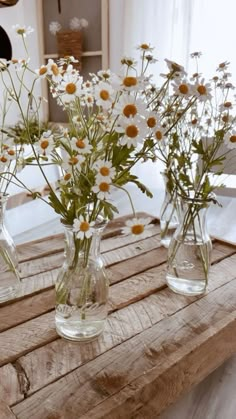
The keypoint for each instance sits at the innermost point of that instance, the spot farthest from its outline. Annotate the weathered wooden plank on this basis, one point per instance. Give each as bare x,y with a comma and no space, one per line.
150,394
27,336
113,380
41,247
48,363
11,385
5,411
54,244
26,309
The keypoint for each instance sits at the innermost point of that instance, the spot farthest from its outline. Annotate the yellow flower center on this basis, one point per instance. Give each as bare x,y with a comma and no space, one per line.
130,110
3,159
80,143
42,71
144,46
70,88
151,122
130,81
158,135
67,176
104,186
14,61
194,121
73,160
233,139
175,67
11,152
55,69
105,171
20,31
84,226
225,118
137,229
227,104
183,88
44,144
131,131
201,89
104,95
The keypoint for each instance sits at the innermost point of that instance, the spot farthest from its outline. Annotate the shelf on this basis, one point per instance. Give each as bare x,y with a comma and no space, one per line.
84,54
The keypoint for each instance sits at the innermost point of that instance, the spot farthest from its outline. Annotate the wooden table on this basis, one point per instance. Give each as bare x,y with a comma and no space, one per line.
155,347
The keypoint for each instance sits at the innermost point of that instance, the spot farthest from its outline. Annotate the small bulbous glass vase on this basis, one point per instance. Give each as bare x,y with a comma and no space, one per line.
82,287
9,272
190,249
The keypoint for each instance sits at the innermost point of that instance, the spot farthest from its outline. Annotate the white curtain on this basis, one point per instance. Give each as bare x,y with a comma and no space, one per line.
175,28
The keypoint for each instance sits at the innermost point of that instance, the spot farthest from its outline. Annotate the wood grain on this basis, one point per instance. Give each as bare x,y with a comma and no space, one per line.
156,344
41,365
152,351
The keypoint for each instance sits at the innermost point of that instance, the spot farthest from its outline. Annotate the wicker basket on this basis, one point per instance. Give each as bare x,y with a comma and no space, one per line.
70,43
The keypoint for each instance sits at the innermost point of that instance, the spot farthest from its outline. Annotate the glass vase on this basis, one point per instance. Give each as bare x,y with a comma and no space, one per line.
9,273
168,214
82,287
190,249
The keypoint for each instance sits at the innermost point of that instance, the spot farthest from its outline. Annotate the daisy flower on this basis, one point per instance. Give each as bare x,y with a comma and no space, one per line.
102,188
138,227
42,72
145,47
230,139
104,169
152,120
174,67
129,106
159,133
46,143
104,95
70,163
182,88
22,30
202,90
54,70
81,145
133,130
70,87
83,228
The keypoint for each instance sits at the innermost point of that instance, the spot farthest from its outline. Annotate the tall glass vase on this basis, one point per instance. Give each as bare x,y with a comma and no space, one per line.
168,214
190,250
9,274
82,287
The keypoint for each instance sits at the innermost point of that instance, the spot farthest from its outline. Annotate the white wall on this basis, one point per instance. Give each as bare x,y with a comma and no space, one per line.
23,13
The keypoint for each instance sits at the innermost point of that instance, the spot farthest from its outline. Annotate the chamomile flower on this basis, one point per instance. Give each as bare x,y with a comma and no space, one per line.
42,72
46,143
133,130
159,133
138,227
104,95
129,106
83,228
174,67
230,139
152,120
102,188
202,90
22,30
81,145
145,47
182,88
70,163
70,87
104,169
54,70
